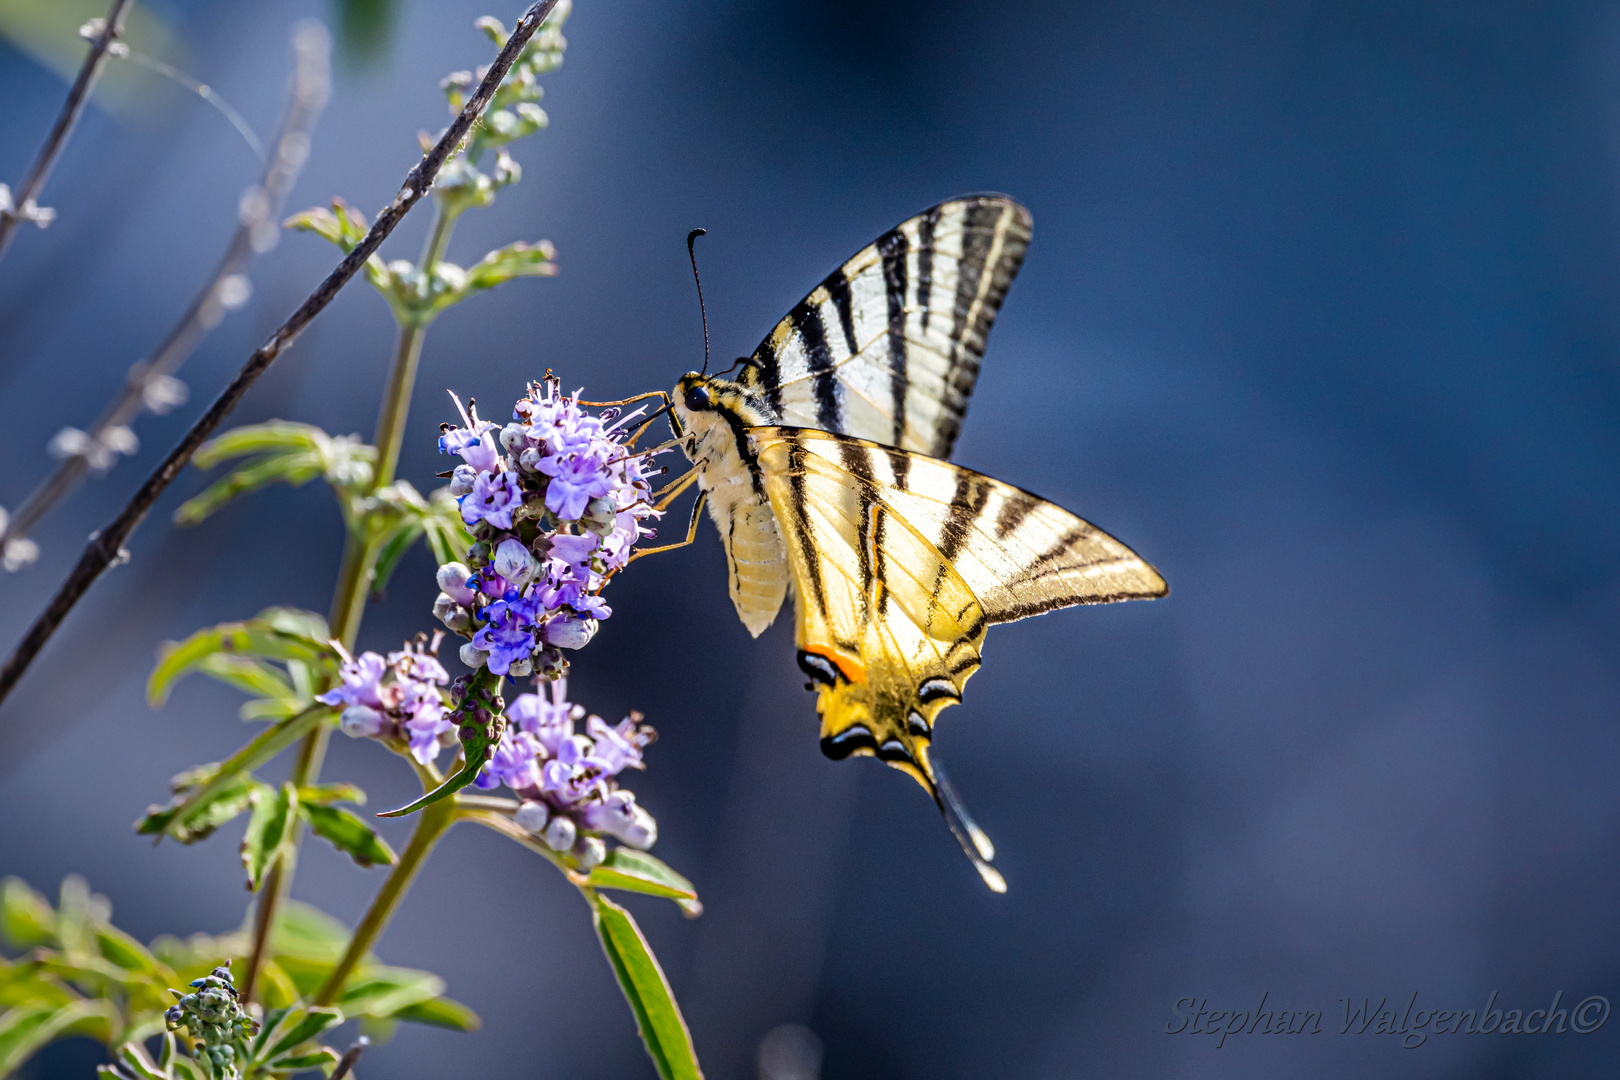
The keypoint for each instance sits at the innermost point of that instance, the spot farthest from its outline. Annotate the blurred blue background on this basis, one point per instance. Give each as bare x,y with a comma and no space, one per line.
1322,316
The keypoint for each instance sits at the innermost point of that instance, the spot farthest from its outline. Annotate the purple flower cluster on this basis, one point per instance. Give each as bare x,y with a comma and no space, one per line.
556,502
396,699
568,779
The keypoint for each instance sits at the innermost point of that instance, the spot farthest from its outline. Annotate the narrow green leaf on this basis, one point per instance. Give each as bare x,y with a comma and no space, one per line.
393,550
327,794
658,1018
311,1024
292,467
380,991
124,951
23,1030
342,225
253,637
133,1059
307,933
26,918
514,260
349,834
249,439
232,772
267,1030
251,675
441,1012
198,820
321,1059
637,871
274,816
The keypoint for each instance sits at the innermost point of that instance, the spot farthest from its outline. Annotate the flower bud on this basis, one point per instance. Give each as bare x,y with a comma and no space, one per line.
519,669
530,459
569,631
549,664
472,657
461,481
514,562
452,578
560,833
532,817
453,615
600,516
590,852
514,437
361,721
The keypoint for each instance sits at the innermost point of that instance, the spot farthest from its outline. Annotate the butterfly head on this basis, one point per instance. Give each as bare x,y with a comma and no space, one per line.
711,407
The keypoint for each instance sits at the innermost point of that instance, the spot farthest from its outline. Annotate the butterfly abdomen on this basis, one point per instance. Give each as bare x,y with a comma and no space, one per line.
715,439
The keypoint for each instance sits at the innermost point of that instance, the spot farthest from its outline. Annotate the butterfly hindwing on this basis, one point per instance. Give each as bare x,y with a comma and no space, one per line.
887,348
887,629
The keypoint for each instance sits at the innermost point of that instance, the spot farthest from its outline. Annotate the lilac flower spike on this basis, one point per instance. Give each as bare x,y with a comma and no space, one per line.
557,503
396,698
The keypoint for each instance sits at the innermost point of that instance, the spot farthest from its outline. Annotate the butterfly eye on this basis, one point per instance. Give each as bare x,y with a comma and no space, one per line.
697,399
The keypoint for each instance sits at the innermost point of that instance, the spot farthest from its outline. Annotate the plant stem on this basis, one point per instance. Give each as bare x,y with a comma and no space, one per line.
353,586
107,546
28,191
431,824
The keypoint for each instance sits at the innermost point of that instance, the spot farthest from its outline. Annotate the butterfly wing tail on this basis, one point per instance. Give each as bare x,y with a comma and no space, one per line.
974,842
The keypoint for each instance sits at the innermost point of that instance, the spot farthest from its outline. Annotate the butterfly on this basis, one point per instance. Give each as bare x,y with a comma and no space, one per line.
823,467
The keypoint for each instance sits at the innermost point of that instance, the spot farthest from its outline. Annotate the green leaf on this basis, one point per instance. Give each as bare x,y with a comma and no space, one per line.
393,550
322,1058
380,991
637,871
198,810
441,1012
314,1021
287,452
251,675
342,225
269,830
327,794
658,1018
512,261
189,821
25,1029
292,467
304,932
269,636
26,918
120,949
349,834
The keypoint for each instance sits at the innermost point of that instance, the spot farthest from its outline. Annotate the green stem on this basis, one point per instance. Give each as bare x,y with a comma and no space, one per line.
349,600
430,826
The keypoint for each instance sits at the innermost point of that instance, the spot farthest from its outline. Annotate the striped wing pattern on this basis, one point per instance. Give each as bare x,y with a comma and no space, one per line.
900,563
888,347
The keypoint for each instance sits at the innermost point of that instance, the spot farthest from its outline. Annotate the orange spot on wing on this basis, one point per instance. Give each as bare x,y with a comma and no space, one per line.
851,669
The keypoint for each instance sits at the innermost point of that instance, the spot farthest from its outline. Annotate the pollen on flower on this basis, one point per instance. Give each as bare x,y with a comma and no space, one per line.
556,502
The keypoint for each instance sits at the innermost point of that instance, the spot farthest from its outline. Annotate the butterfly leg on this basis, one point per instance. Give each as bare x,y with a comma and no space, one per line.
691,531
673,491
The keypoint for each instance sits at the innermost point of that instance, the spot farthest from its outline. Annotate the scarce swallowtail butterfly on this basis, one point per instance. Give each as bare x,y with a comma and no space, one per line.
823,465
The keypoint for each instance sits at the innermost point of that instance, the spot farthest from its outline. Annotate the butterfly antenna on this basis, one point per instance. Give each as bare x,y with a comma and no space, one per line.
972,838
691,253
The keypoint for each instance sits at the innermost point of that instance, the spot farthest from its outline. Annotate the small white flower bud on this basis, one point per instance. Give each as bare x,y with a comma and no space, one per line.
530,459
360,721
600,515
590,852
453,615
532,817
473,658
569,631
452,578
461,480
560,833
514,562
521,668
514,437
641,831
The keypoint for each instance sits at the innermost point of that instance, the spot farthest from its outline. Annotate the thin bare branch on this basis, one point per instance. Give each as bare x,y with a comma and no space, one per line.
107,546
150,385
345,1064
22,204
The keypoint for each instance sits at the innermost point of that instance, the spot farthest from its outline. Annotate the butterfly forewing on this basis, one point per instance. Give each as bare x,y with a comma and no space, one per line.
888,347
